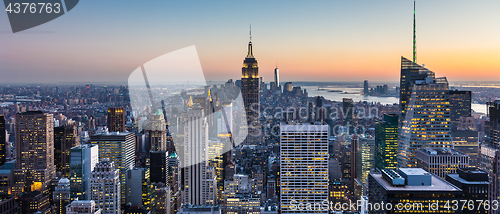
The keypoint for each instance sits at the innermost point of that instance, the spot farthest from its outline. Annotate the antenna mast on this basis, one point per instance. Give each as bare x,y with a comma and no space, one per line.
414,35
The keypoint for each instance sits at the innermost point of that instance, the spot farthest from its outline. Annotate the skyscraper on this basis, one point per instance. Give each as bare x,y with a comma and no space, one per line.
427,121
304,166
118,147
3,151
105,187
366,88
83,159
34,151
347,113
386,142
460,106
365,157
61,195
158,162
157,131
441,161
195,157
410,73
277,78
492,129
140,191
250,93
65,137
116,119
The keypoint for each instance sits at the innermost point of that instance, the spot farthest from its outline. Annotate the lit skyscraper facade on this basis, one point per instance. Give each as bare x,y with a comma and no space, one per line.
61,195
34,151
118,147
410,73
304,166
365,157
386,142
441,161
426,120
83,159
250,93
116,119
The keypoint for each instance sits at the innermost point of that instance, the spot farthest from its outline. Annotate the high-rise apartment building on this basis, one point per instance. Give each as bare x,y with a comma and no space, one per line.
118,147
441,161
34,152
83,159
116,119
105,187
386,142
426,121
304,166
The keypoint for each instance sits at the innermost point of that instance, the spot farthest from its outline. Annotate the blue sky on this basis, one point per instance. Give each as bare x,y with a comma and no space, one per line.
341,40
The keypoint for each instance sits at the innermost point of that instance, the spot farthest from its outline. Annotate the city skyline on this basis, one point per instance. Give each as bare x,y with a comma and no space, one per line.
334,41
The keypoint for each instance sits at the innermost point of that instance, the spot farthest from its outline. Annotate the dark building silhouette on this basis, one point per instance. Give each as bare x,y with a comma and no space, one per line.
159,166
492,127
474,184
65,137
116,119
347,113
460,106
3,151
366,88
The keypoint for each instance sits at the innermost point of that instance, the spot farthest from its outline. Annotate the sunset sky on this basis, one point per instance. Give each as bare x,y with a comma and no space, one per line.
338,40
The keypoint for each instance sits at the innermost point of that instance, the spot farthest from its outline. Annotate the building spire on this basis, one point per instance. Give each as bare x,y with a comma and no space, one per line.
414,35
250,53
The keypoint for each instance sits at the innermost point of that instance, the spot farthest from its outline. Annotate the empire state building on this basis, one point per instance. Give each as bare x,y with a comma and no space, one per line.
250,92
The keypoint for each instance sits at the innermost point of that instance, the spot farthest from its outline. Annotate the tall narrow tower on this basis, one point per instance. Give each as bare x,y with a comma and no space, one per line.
414,35
250,93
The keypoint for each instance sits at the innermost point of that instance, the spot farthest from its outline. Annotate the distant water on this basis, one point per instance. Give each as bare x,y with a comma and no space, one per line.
354,94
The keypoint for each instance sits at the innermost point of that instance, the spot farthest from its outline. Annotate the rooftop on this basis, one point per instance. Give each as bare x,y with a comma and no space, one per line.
437,184
441,151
